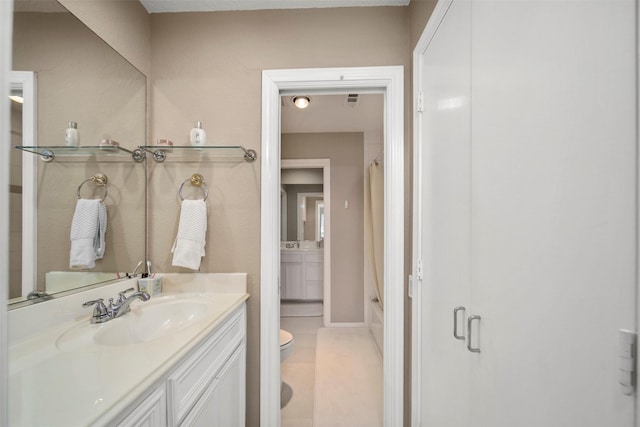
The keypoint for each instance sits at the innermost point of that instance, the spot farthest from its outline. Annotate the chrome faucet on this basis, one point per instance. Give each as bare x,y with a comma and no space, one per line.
124,302
103,313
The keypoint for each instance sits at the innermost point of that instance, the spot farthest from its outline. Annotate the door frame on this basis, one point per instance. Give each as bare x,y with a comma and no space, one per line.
388,80
26,82
420,257
6,21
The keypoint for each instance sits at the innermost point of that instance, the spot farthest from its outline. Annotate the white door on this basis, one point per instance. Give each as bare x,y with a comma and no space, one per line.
445,216
554,217
552,213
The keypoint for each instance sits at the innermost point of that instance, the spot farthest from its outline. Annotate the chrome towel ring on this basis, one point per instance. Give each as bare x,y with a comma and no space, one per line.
196,180
99,180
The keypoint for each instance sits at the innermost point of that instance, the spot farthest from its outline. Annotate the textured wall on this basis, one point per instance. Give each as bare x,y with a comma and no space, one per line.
208,67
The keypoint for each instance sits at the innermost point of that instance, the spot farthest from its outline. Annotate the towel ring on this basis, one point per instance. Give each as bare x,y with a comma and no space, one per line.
100,180
196,180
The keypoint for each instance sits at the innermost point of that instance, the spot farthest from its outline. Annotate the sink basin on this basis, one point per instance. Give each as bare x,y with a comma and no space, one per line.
147,321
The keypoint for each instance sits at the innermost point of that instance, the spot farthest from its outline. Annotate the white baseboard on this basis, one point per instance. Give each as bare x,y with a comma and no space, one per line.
345,325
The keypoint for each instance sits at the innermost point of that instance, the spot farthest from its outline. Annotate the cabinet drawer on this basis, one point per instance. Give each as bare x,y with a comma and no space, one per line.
191,379
314,257
291,257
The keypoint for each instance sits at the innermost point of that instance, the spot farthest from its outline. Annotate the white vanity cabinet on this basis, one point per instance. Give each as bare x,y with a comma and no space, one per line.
301,275
204,388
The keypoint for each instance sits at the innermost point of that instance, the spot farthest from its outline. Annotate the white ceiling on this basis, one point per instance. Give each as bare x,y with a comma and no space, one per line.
160,6
331,113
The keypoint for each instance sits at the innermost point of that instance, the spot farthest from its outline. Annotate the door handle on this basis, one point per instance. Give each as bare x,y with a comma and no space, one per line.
455,322
470,320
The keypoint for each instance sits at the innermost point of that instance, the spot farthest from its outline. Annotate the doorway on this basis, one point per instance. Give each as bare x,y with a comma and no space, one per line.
389,82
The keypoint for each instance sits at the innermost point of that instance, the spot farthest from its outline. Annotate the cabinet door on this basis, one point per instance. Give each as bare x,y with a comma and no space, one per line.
223,403
313,280
445,217
293,274
553,216
150,413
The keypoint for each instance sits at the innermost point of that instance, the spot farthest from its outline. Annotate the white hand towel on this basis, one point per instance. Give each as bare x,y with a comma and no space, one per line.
188,248
88,229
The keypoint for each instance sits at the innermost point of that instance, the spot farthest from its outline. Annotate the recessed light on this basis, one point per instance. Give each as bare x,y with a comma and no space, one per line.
301,101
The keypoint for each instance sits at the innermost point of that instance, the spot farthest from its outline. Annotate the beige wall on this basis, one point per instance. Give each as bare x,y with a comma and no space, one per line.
345,151
207,67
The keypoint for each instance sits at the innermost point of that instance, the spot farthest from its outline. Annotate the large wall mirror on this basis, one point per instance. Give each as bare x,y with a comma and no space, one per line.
64,72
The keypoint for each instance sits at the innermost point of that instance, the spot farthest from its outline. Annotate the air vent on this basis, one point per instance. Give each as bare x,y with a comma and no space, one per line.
352,100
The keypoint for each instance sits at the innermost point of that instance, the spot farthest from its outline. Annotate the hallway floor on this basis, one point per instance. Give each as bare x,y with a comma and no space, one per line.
337,373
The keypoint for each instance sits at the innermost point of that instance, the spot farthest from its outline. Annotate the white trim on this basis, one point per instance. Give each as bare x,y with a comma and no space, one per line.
390,81
637,224
283,214
346,325
419,150
26,81
6,28
319,208
325,164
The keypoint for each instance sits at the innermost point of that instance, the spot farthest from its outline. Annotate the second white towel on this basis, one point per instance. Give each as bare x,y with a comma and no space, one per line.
188,248
88,229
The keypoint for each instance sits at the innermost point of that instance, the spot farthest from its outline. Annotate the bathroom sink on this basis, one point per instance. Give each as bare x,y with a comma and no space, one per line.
147,321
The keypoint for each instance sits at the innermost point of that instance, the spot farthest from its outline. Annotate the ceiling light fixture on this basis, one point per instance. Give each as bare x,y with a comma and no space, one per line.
16,98
301,101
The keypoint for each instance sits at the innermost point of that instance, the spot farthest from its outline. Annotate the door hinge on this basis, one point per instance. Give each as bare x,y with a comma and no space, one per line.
420,102
419,270
627,355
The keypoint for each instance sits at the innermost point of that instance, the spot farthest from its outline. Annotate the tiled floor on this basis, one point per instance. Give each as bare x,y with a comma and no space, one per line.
299,376
298,371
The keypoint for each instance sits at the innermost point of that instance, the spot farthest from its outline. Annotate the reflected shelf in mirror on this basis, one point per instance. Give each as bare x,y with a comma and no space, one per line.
98,152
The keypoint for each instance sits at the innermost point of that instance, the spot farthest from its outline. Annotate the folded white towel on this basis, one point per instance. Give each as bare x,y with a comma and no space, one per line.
188,248
88,229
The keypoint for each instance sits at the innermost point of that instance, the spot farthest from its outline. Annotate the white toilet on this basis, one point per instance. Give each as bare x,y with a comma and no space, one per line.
286,344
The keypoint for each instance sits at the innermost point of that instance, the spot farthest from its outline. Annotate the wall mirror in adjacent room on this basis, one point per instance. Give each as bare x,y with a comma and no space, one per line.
65,73
303,204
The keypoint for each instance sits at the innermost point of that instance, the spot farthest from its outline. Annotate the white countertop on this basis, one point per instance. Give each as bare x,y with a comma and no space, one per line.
302,249
91,385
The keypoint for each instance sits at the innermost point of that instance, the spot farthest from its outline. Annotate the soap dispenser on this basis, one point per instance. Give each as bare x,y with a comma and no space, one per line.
198,136
71,135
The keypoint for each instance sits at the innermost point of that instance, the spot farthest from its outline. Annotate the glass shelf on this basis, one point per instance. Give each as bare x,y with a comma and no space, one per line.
48,153
214,153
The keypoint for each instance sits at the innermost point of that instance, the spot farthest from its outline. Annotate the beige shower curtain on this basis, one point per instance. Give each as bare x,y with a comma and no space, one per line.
374,225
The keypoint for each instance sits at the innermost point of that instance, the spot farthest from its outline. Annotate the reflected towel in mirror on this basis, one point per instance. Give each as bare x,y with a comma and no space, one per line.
88,229
188,248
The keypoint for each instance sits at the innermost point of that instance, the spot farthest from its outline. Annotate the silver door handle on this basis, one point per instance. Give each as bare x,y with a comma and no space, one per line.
455,323
470,320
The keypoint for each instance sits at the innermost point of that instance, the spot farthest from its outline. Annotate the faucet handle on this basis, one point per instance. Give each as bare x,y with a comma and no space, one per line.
100,312
122,297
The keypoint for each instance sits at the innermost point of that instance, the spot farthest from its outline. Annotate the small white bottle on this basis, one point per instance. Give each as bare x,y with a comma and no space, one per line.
71,135
198,136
